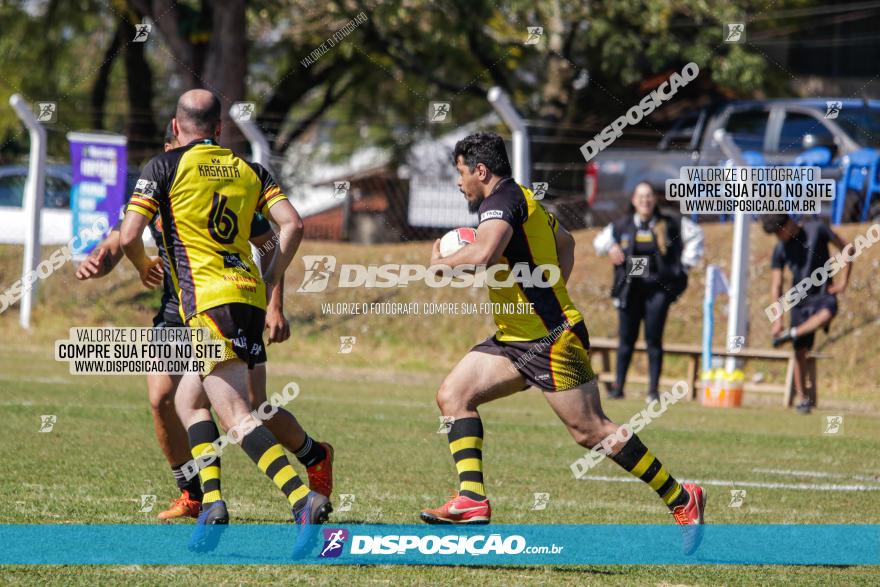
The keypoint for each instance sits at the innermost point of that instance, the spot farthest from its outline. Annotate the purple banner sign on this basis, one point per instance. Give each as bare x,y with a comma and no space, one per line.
98,189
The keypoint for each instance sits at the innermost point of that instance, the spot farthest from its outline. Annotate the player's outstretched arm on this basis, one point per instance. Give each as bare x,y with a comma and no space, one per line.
290,233
149,268
102,259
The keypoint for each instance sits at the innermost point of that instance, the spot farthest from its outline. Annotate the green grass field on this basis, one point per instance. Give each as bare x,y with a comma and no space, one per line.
376,406
101,457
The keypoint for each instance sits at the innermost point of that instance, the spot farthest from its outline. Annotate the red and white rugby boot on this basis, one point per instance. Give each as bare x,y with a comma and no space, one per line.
182,507
459,510
321,474
690,517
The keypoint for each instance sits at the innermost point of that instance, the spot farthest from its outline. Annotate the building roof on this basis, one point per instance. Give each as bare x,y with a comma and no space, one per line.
434,197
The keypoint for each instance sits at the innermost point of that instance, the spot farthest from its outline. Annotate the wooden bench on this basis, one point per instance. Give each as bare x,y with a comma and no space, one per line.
603,347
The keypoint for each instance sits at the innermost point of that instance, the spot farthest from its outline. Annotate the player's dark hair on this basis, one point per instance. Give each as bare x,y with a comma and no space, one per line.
486,148
200,119
169,133
773,222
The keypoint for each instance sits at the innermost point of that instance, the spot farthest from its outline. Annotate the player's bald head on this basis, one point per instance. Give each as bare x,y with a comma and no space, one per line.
198,113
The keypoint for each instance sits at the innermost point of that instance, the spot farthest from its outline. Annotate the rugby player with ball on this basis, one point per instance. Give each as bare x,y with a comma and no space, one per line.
548,349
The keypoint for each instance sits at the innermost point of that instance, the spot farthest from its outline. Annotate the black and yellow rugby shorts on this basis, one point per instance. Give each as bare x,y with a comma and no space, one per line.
239,327
554,363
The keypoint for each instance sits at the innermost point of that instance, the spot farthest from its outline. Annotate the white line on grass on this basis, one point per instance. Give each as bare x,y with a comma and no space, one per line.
759,484
50,380
794,473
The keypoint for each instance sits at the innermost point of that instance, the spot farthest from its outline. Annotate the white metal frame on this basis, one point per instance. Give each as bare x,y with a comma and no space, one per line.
522,157
738,315
34,195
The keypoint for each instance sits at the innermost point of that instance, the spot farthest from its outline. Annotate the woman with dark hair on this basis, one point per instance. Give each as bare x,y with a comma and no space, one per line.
652,253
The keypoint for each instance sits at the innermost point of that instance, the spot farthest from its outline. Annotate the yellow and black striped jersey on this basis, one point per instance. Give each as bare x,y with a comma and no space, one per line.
207,199
533,242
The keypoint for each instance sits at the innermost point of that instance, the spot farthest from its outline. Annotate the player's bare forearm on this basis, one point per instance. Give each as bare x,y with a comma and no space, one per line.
103,258
566,264
290,234
289,240
469,255
266,245
492,238
113,254
130,239
277,326
149,268
565,250
276,295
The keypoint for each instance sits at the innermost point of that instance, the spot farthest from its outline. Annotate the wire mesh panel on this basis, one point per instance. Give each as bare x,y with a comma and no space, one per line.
374,196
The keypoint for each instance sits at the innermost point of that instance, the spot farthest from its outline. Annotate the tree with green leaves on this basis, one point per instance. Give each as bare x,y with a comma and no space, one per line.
590,62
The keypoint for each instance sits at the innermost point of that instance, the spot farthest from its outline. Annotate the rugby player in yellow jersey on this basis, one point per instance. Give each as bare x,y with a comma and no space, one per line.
207,199
169,431
548,349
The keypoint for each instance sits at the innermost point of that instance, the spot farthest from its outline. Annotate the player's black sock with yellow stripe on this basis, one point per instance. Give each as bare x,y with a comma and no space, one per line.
191,486
466,445
638,460
310,452
201,438
262,447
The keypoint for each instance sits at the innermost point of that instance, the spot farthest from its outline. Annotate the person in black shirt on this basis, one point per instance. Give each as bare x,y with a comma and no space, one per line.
651,253
803,248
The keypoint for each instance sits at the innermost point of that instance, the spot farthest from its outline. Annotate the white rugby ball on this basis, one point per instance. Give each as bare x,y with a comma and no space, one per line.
455,240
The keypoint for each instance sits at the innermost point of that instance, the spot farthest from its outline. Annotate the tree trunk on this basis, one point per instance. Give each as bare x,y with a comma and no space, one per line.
226,66
180,48
556,91
143,136
99,89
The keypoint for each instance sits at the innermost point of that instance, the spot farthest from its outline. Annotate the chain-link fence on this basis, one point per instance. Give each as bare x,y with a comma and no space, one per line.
372,198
